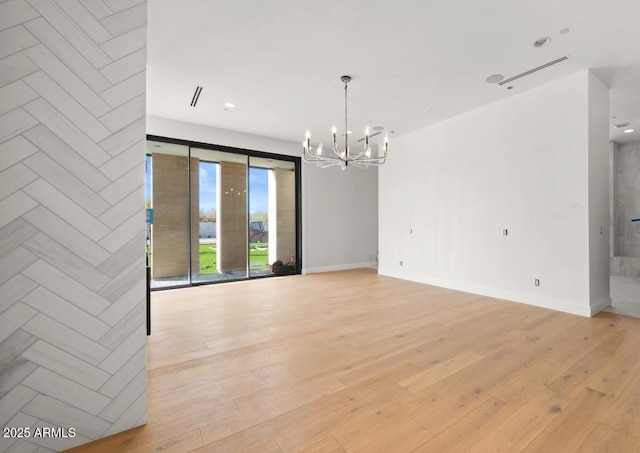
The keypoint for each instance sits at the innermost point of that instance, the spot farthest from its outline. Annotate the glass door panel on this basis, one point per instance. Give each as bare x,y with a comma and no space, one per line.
272,217
167,199
219,198
219,216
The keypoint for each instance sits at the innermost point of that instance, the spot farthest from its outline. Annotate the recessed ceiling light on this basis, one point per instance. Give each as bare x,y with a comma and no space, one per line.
628,131
349,132
542,41
229,105
564,31
378,128
494,78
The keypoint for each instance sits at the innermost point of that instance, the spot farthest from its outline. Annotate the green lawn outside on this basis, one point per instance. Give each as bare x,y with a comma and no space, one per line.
208,259
258,257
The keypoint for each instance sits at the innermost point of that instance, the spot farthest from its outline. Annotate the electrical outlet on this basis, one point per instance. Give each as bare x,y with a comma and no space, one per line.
537,282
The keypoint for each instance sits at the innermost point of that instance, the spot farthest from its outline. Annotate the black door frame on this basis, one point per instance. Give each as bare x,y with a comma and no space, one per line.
249,153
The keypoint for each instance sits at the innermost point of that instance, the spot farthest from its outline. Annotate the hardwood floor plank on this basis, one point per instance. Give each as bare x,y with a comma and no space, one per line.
182,443
471,429
327,445
440,371
573,377
606,439
568,430
622,368
404,438
355,434
524,425
462,392
311,423
626,415
352,361
258,439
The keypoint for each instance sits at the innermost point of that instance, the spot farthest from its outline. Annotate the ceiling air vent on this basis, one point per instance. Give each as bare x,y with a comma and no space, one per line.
196,96
531,71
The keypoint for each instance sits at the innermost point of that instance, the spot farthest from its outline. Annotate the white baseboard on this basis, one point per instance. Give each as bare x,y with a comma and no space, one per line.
338,267
543,302
600,305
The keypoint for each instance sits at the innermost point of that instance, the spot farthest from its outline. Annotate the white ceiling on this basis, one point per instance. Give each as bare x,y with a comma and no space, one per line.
413,63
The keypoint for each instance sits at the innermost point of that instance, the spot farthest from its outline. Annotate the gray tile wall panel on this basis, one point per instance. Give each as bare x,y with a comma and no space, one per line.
72,130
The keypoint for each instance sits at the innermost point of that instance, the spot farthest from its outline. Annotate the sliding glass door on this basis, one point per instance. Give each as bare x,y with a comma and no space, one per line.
221,188
272,219
217,216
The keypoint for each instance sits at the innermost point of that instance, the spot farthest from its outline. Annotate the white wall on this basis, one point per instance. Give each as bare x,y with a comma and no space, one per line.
522,165
599,202
339,208
341,218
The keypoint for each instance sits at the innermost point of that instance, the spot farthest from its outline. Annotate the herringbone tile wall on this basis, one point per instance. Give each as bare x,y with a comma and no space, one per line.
72,279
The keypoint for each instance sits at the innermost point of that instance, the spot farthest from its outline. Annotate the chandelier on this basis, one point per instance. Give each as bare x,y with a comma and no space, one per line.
344,157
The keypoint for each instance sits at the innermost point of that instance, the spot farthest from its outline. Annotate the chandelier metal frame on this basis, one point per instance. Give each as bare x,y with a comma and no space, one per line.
343,157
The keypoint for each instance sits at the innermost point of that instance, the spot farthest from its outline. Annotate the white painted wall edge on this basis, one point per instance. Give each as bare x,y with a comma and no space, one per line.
338,267
497,293
600,305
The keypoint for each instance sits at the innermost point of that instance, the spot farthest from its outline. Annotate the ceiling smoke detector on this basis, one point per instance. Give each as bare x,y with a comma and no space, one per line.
494,78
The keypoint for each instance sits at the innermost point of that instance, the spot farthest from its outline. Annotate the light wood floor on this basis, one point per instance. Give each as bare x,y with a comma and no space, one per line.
350,361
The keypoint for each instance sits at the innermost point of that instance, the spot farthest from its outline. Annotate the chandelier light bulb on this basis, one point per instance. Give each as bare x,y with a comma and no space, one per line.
307,141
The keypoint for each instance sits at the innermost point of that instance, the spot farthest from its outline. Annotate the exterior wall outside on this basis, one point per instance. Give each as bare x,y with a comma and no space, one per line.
232,217
171,222
208,230
72,220
285,214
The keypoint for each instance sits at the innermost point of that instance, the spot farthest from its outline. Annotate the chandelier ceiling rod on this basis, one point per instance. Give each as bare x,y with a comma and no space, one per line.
345,79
